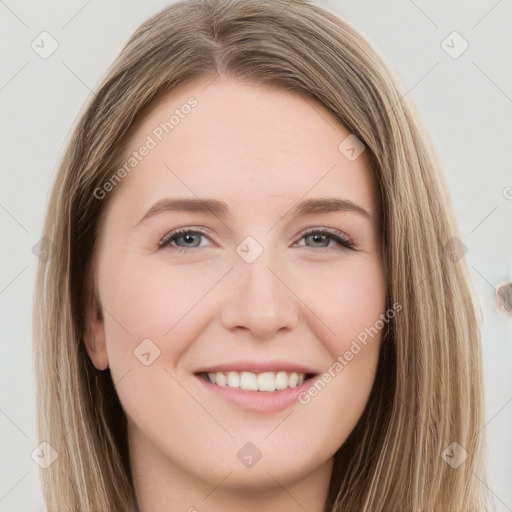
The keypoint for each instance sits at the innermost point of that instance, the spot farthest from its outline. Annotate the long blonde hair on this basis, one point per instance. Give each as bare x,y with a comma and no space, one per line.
428,388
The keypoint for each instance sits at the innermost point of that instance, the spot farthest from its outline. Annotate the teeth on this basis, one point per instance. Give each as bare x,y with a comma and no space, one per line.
281,380
266,381
233,380
220,379
248,381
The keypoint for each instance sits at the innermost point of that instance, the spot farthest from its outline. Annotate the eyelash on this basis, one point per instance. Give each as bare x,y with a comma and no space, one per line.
333,235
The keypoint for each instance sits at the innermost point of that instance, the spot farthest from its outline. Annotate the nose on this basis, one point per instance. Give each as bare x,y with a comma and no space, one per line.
258,300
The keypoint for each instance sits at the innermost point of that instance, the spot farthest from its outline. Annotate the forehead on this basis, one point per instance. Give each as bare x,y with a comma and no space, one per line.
244,143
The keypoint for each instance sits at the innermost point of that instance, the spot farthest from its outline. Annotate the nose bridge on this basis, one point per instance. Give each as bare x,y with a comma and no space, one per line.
258,280
258,299
254,261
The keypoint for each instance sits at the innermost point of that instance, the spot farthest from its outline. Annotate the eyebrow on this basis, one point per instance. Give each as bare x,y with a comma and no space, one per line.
329,204
187,204
221,209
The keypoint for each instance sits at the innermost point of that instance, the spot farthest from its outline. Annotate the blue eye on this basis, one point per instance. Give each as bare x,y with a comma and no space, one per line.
185,239
320,236
191,239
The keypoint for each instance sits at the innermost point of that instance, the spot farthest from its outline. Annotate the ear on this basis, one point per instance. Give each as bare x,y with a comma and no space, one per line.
94,333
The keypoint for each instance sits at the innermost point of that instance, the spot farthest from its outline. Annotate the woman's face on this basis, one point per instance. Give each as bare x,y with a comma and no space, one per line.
241,246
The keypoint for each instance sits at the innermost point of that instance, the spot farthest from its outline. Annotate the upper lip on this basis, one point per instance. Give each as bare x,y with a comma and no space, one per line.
257,367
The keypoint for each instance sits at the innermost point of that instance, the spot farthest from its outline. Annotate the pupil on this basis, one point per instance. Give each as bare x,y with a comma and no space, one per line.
318,238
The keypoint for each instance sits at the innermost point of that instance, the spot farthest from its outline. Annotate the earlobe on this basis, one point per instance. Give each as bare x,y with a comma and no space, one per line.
94,335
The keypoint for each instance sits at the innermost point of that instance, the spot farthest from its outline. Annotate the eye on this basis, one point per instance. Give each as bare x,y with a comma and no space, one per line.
322,238
183,239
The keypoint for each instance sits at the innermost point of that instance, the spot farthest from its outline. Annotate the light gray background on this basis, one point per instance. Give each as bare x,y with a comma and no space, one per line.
466,104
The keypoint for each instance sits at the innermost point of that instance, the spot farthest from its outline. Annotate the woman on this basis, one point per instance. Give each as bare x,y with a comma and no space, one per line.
256,297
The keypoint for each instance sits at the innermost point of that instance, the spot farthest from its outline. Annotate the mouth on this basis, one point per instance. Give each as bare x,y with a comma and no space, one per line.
262,387
269,382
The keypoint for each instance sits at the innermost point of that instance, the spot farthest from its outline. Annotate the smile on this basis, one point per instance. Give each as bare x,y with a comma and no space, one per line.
249,381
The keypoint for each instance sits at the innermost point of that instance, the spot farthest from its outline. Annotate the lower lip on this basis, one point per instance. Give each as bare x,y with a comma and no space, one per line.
258,401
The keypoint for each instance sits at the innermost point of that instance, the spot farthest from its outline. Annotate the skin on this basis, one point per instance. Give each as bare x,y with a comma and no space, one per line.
260,150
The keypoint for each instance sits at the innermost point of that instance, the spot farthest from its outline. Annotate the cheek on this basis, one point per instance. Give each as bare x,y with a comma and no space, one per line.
350,304
348,299
150,300
154,315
